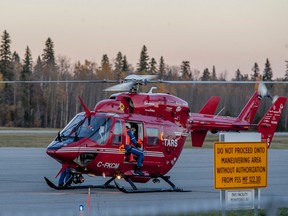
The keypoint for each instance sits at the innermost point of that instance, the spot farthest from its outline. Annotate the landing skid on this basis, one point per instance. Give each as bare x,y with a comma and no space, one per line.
52,185
136,190
120,188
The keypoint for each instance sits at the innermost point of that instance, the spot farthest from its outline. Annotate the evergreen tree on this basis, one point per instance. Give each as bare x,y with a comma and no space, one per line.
105,60
152,67
255,70
106,67
118,65
238,76
27,65
48,56
48,60
50,92
6,69
143,65
267,73
214,76
125,66
206,75
185,70
6,57
286,72
161,68
25,88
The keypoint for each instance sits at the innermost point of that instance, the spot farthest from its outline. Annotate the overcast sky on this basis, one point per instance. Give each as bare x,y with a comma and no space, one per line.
229,34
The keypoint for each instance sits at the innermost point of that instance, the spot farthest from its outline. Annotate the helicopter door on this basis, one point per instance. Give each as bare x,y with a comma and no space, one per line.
137,129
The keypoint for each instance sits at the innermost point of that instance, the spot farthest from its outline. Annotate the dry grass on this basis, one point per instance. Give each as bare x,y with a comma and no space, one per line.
41,140
36,140
26,140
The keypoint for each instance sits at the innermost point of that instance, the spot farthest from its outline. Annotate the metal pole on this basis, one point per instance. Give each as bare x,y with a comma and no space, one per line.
256,201
223,204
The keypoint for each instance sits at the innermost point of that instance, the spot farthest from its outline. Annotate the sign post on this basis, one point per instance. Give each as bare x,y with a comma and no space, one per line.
240,165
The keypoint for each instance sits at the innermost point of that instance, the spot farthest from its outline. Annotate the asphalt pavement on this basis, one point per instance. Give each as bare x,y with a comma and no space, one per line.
23,190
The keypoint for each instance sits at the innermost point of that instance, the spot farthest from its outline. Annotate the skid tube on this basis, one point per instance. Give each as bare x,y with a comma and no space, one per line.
120,188
136,190
66,187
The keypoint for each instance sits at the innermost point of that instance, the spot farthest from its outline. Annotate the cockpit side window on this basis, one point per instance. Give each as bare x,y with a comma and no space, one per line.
72,127
117,133
101,127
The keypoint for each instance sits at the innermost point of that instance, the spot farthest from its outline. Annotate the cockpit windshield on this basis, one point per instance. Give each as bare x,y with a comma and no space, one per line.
94,127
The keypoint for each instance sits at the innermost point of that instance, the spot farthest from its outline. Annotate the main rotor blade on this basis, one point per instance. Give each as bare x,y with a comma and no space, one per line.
59,81
140,77
143,80
214,82
120,87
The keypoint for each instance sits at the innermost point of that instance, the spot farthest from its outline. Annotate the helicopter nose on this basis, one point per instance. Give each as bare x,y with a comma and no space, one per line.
52,149
61,151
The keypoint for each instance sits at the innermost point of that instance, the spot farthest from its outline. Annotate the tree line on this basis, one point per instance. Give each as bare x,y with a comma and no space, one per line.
43,104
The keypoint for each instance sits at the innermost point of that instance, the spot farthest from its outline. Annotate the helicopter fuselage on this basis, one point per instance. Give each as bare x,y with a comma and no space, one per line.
93,144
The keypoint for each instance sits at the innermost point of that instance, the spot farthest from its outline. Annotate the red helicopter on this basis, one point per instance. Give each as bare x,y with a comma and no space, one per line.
93,141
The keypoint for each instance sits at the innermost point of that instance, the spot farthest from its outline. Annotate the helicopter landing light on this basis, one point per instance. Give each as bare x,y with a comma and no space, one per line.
81,208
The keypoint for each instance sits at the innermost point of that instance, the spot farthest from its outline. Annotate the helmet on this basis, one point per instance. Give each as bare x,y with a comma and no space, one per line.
128,125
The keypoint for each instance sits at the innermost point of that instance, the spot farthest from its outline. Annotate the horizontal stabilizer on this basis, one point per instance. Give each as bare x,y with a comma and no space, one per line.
198,137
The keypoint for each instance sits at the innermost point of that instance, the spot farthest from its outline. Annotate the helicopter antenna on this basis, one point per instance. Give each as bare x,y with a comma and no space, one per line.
151,90
219,112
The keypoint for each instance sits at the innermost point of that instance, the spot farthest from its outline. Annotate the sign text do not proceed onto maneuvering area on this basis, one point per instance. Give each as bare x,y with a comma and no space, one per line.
240,165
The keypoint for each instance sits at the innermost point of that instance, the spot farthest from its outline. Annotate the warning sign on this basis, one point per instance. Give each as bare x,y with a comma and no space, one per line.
240,165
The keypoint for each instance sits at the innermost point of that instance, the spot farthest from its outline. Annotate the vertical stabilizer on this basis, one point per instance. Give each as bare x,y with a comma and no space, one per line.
210,106
198,136
270,120
249,111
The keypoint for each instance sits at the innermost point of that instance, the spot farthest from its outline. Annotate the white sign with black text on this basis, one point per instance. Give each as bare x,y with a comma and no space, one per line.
239,199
